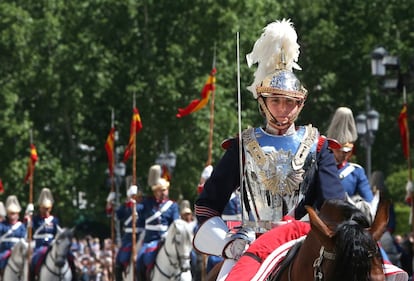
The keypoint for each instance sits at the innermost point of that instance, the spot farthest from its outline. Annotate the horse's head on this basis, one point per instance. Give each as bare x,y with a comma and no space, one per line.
179,241
61,246
349,249
19,252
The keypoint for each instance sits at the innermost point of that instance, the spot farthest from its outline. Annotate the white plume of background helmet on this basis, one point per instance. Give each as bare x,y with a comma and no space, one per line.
12,204
46,198
155,180
343,128
154,174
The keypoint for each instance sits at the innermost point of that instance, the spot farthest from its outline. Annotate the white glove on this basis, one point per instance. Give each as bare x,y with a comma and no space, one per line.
111,197
239,243
207,172
409,186
29,209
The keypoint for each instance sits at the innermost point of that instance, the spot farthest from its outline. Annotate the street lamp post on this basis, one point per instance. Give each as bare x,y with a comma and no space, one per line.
119,172
167,158
367,123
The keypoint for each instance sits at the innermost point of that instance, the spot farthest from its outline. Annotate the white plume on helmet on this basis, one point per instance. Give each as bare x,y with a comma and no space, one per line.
276,49
155,180
342,128
154,174
12,204
46,198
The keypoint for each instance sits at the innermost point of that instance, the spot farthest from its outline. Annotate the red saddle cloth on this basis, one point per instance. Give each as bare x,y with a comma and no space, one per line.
253,264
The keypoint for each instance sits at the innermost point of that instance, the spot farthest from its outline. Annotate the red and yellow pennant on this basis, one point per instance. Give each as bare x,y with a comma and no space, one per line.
1,187
198,104
165,173
404,131
31,164
136,126
109,147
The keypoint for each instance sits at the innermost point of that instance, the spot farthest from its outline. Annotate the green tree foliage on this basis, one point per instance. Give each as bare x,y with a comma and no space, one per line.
64,65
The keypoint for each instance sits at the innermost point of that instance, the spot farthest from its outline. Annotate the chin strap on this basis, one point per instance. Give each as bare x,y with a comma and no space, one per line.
272,120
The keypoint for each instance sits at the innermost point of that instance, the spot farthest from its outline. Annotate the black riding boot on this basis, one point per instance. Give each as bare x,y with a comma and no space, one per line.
118,272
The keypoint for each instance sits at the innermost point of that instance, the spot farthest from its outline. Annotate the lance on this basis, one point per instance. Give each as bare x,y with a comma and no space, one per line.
210,142
240,129
29,224
210,153
134,182
407,141
112,191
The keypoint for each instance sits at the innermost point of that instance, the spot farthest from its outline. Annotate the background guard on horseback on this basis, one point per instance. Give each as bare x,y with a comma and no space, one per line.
124,214
157,213
12,230
45,229
279,167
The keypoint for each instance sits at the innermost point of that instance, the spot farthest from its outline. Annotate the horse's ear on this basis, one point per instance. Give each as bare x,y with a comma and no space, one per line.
318,224
379,225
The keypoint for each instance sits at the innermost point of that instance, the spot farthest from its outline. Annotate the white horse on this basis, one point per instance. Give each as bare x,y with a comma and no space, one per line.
56,265
16,268
173,259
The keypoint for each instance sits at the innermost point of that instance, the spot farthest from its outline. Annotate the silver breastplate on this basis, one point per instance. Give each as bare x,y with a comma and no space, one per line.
272,173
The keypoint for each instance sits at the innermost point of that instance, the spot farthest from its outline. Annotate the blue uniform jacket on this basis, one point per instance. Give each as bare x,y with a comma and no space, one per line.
124,214
9,236
156,228
356,182
44,230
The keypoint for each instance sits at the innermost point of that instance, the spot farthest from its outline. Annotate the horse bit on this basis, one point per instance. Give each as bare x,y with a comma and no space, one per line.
317,264
172,263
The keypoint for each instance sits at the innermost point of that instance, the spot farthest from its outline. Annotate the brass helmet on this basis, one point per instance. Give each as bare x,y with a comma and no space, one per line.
161,184
12,204
45,198
343,129
276,52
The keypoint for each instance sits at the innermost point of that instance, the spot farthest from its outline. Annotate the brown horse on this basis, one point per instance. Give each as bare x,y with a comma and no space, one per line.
340,246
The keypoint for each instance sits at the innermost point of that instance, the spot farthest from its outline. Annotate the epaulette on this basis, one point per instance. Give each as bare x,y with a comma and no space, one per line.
332,144
355,165
321,141
226,143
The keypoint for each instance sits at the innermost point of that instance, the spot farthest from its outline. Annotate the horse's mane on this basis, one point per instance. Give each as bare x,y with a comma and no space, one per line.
355,244
65,233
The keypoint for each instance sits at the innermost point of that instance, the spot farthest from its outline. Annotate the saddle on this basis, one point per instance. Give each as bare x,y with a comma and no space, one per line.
284,264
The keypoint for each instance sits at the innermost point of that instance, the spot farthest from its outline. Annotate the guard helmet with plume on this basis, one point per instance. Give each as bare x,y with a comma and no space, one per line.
276,53
155,180
343,129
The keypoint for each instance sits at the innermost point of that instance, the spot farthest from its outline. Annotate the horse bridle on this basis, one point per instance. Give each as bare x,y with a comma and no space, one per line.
13,266
175,265
53,258
317,264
